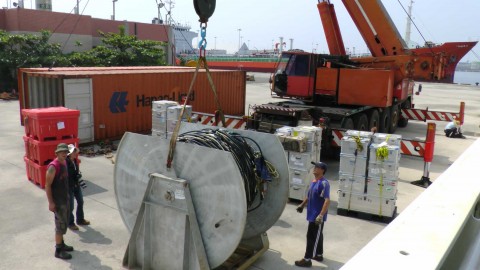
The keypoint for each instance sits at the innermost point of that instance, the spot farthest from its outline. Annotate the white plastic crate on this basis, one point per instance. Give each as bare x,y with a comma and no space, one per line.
300,161
300,177
393,153
349,146
366,204
291,143
315,149
174,112
351,165
162,105
297,192
351,183
310,132
284,131
387,170
387,187
393,139
362,134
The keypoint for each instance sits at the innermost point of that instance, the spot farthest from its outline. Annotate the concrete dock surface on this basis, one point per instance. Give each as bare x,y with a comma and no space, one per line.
27,226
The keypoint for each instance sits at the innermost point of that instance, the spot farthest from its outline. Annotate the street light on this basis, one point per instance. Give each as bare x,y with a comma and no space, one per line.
239,38
159,6
113,16
215,46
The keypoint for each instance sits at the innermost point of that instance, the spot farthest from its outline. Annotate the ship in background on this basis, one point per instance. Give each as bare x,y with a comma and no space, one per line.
268,60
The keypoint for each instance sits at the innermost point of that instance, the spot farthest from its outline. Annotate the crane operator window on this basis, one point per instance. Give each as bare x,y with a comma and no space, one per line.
298,65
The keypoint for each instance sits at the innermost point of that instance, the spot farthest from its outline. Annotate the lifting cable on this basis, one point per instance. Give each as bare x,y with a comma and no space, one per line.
254,169
204,9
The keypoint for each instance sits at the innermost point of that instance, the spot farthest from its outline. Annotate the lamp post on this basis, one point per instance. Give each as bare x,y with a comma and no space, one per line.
113,16
239,39
215,46
159,6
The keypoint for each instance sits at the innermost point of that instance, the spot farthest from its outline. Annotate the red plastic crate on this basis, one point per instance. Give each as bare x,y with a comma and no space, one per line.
43,153
54,123
36,173
27,167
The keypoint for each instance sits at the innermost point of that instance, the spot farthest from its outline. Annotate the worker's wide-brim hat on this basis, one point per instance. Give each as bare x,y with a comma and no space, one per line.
61,147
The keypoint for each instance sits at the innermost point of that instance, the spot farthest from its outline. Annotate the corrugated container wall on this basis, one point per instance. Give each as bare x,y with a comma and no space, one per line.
122,99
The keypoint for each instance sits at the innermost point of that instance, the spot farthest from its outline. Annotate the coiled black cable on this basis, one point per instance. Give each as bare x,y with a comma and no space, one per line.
247,155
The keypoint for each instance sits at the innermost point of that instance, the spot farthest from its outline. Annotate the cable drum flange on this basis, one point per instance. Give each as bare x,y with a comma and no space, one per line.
216,186
266,215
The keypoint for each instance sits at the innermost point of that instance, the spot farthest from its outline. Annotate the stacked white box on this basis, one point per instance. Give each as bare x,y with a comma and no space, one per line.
299,163
382,187
390,139
350,164
393,153
382,175
159,116
351,183
366,203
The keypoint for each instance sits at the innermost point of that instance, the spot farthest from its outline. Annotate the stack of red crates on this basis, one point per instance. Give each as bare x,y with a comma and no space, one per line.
45,128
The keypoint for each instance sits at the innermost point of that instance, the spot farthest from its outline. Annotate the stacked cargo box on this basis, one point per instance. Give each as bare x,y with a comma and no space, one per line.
45,128
165,114
368,183
302,145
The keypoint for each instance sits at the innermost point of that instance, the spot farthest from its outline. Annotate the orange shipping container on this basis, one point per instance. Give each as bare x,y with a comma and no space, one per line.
112,101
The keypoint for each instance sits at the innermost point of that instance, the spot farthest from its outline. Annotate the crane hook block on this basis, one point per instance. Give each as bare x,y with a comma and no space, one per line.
204,9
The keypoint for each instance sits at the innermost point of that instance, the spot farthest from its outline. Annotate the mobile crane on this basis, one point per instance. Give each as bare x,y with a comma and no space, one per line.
337,91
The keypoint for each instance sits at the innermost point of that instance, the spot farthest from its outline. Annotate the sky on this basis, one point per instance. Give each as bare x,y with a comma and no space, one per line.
262,22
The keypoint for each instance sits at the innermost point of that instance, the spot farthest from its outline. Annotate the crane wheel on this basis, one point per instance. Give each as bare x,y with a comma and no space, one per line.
374,120
384,120
403,122
361,122
394,117
348,123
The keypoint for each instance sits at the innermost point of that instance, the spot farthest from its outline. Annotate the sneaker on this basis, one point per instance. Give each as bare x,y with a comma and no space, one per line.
83,222
63,255
73,227
66,247
318,258
303,263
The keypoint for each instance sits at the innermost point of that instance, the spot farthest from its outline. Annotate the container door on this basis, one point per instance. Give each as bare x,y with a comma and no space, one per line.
78,96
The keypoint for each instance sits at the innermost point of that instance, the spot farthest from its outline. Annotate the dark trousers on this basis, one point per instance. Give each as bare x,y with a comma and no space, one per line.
452,132
77,193
314,240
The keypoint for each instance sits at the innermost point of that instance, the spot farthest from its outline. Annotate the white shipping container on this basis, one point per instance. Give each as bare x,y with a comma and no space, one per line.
387,188
387,170
351,183
366,204
390,139
350,164
349,146
300,161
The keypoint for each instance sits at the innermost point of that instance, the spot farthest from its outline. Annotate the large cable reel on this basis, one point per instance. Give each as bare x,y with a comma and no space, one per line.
216,188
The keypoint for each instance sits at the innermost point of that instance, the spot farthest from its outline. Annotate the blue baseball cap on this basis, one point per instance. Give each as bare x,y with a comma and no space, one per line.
320,165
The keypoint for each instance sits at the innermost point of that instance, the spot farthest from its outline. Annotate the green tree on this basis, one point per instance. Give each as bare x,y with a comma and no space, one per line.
26,50
120,49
